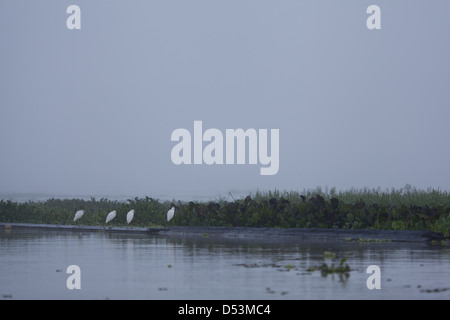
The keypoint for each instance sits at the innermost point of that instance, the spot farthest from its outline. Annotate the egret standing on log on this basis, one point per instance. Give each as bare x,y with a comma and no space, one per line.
111,216
130,216
170,214
78,215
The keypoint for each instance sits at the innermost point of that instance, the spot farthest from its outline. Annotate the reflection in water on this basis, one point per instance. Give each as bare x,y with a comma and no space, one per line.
116,266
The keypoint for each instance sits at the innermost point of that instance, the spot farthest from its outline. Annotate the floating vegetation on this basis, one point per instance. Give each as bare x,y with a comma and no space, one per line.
268,290
256,265
289,267
329,255
436,290
404,209
373,240
443,242
326,270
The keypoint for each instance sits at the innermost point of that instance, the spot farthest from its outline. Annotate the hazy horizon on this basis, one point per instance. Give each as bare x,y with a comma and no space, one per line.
91,112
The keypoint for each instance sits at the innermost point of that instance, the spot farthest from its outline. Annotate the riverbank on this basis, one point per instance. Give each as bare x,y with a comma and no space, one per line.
249,233
78,228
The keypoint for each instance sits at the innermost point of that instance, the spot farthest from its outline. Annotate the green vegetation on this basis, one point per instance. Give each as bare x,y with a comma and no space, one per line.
404,209
326,270
148,212
373,240
329,255
289,267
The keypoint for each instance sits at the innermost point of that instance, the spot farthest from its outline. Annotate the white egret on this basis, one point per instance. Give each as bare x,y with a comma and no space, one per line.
78,215
170,214
111,216
130,216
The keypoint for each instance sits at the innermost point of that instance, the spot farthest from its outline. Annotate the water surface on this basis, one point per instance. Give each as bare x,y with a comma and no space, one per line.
33,265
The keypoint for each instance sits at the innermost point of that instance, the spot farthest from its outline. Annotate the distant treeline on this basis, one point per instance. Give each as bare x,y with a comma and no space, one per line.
404,209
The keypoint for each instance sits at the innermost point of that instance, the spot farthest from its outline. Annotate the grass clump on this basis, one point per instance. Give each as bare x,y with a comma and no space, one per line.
325,270
289,267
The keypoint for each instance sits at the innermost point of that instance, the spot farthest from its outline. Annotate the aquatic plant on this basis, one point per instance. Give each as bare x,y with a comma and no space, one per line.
326,270
373,240
289,266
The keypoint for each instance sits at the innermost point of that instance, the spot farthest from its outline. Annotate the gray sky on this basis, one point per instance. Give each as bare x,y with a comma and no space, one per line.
91,111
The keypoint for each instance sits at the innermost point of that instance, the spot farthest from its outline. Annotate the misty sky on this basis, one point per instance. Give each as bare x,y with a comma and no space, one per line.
91,111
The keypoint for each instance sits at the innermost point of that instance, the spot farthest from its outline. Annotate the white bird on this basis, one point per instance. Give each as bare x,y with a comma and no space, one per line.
130,216
111,216
78,215
170,214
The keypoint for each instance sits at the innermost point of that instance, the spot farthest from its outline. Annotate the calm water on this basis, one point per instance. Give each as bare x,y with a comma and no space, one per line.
33,265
